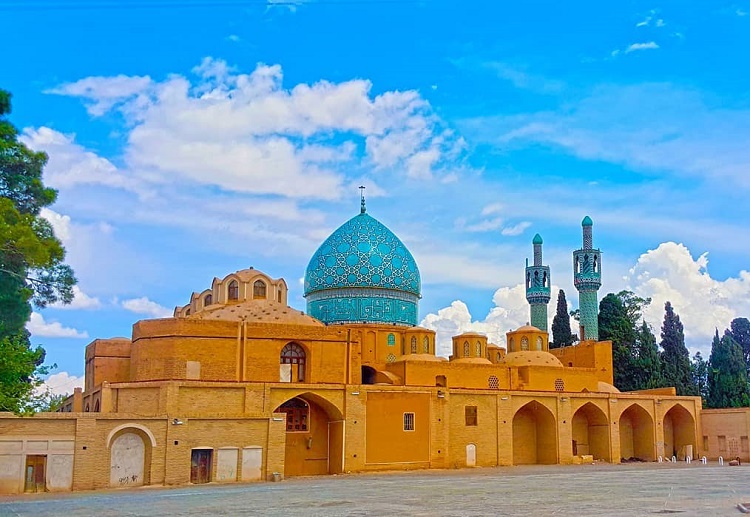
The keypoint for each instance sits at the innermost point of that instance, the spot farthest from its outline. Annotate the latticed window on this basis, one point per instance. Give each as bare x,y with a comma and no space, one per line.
470,414
539,342
208,300
413,344
524,343
294,355
478,349
391,358
259,289
466,349
408,421
391,340
297,415
233,293
426,345
493,383
559,385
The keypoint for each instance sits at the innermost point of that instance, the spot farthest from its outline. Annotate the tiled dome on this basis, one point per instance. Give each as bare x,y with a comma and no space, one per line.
364,261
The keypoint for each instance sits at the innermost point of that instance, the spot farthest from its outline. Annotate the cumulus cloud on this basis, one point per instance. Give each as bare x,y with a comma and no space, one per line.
510,311
651,45
81,301
670,273
516,229
146,307
248,133
41,328
104,92
61,383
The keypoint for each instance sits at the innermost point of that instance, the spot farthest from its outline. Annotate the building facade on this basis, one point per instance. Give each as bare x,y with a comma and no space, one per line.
237,386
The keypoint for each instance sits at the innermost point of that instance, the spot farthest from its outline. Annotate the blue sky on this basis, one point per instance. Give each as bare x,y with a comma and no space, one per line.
191,139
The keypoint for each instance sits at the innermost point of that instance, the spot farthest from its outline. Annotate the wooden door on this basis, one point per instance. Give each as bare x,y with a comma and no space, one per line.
200,466
35,473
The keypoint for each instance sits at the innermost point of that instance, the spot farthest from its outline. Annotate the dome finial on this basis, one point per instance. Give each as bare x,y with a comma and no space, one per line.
362,210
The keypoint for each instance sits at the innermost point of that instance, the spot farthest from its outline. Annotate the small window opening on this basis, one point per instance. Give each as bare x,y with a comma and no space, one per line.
259,289
470,414
408,421
234,290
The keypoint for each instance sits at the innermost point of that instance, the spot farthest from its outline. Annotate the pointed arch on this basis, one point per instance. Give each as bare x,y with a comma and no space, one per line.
636,433
679,432
534,435
590,428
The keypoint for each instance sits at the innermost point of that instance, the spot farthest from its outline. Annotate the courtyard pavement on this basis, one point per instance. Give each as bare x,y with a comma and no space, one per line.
571,490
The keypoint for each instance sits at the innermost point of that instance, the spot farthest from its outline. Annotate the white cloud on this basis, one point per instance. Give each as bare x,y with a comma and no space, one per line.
81,301
104,92
247,133
70,164
641,46
741,12
61,383
145,306
41,328
516,229
510,311
670,273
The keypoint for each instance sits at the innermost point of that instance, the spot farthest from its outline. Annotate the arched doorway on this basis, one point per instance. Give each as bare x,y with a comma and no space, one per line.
130,458
368,375
636,434
591,432
534,435
679,433
314,436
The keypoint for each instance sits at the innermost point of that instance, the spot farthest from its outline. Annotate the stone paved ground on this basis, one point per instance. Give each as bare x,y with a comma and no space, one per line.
628,490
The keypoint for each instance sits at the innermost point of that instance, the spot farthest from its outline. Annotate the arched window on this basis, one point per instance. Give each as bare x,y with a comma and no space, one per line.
96,406
187,312
259,289
413,344
478,349
524,343
87,409
208,300
539,342
391,340
426,345
292,363
233,292
297,415
512,345
466,349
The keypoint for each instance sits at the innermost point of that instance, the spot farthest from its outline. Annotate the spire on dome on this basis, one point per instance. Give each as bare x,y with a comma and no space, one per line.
362,209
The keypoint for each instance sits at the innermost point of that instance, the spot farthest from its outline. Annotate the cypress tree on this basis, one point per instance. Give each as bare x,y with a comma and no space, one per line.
699,368
647,364
561,334
675,358
740,330
727,376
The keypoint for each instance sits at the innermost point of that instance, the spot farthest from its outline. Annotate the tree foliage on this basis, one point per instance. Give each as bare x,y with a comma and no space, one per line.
740,331
675,358
32,268
699,373
561,334
632,341
727,374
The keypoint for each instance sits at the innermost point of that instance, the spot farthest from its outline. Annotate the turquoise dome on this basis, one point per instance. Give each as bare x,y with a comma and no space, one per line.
587,221
363,273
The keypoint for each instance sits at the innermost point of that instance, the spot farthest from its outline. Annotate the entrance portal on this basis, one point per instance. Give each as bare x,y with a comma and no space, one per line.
127,460
534,435
35,473
679,433
591,432
200,465
314,437
636,434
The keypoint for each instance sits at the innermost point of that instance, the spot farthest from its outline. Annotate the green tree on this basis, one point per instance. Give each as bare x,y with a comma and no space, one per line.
699,373
561,334
675,358
727,376
647,371
740,330
620,322
32,268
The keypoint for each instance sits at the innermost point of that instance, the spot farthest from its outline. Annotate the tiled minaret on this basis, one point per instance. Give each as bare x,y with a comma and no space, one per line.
587,277
538,286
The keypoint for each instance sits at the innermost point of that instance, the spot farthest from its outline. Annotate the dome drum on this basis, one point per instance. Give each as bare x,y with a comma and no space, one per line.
363,306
